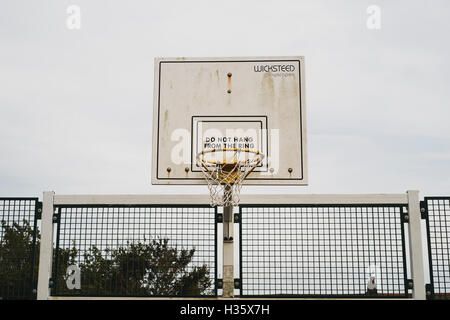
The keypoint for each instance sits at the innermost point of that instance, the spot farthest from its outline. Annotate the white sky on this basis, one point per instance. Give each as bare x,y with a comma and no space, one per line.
76,105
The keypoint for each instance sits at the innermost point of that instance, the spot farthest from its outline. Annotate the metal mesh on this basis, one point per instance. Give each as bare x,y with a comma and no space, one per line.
18,265
438,229
122,267
322,250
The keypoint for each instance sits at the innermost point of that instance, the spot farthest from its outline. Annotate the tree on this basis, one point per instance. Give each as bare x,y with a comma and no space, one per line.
140,269
151,268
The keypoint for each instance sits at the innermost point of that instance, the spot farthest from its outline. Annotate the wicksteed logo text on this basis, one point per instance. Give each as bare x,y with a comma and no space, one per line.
274,68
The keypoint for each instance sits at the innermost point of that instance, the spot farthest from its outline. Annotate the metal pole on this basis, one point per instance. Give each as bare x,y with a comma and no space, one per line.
46,251
415,245
228,248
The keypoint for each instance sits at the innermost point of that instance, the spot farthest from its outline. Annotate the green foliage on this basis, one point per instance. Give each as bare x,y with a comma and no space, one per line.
152,268
16,248
140,269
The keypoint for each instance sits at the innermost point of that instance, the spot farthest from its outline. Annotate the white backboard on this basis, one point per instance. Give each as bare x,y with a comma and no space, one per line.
252,102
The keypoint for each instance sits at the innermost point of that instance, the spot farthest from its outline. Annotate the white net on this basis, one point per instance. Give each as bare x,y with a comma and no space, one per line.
225,170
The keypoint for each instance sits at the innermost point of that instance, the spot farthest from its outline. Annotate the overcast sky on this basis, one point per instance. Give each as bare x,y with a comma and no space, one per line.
76,105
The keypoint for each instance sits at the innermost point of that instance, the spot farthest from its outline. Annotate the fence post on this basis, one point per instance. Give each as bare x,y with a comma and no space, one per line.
228,253
46,251
415,245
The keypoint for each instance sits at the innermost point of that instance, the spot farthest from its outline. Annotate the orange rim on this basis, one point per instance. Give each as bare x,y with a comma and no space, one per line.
203,152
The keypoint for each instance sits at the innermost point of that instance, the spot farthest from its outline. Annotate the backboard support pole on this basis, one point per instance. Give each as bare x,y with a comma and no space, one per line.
228,251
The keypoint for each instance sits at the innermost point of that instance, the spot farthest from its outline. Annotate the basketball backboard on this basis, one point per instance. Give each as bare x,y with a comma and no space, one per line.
255,103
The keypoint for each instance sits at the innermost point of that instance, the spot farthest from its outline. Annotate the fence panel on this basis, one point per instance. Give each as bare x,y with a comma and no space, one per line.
437,215
323,250
18,247
135,250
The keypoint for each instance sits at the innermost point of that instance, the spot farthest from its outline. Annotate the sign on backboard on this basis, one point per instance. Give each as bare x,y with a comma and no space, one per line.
214,103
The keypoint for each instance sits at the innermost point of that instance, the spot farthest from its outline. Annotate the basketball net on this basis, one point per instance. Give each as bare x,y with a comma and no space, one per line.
225,170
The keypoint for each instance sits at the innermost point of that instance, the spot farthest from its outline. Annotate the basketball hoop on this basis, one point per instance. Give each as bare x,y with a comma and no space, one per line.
225,170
